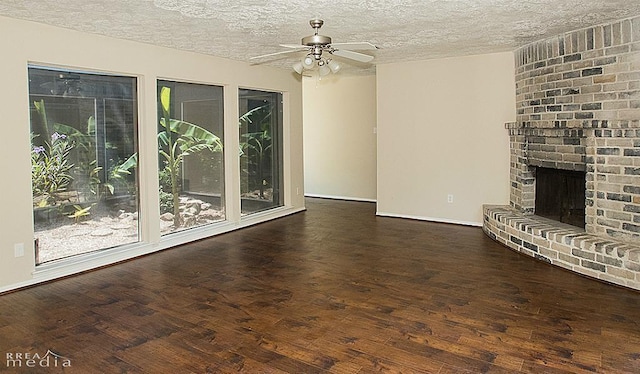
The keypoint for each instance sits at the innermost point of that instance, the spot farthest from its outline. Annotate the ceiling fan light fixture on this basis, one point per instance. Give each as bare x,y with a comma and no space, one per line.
308,62
334,66
324,70
297,67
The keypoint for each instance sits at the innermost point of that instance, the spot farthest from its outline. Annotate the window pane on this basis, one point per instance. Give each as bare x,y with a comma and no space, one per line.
260,150
191,170
83,162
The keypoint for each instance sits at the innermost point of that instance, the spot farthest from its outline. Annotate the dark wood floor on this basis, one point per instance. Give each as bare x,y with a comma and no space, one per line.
333,289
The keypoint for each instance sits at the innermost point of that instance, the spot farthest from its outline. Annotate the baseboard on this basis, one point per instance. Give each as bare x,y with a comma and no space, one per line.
334,197
430,219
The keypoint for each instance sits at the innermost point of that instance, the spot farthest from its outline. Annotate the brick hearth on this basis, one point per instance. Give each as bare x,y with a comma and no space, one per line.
564,245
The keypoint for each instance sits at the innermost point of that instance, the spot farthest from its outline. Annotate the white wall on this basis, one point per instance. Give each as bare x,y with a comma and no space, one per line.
441,132
339,115
27,42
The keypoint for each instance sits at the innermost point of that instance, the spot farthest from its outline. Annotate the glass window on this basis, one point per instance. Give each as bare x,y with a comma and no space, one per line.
260,150
83,161
191,170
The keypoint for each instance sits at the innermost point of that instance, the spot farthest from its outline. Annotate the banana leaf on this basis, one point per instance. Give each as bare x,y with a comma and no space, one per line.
193,132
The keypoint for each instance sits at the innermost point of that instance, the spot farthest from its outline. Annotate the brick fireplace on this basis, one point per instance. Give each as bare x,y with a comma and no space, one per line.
578,109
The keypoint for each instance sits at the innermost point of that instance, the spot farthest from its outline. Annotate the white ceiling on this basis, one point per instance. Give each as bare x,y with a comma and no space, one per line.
405,30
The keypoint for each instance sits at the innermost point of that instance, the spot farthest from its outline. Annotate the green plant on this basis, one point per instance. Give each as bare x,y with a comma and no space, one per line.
117,177
88,181
80,212
177,140
166,199
50,169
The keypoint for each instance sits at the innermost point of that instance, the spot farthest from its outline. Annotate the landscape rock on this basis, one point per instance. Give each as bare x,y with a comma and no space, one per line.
102,232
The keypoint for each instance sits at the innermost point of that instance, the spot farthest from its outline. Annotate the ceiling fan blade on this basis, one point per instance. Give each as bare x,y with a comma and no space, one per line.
298,46
356,45
352,55
273,54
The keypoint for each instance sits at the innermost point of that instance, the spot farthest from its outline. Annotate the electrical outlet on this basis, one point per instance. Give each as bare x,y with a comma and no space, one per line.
449,198
18,250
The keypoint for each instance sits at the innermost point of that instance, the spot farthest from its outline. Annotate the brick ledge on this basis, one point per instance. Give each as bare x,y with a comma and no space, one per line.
564,245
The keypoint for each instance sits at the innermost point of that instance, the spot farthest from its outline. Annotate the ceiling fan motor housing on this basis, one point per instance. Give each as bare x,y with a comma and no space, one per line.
316,40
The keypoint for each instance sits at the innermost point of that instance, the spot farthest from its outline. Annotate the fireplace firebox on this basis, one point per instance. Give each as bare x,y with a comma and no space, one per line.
560,195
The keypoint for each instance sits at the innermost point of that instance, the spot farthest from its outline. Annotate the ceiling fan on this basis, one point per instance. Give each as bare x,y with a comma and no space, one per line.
315,45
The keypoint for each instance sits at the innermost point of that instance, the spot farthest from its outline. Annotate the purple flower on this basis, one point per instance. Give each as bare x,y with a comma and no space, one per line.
55,136
38,150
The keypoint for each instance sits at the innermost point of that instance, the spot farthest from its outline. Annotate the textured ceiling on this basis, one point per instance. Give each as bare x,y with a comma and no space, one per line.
405,30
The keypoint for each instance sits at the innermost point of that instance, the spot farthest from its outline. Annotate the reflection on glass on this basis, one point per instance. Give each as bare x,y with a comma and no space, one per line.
83,162
191,170
260,150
